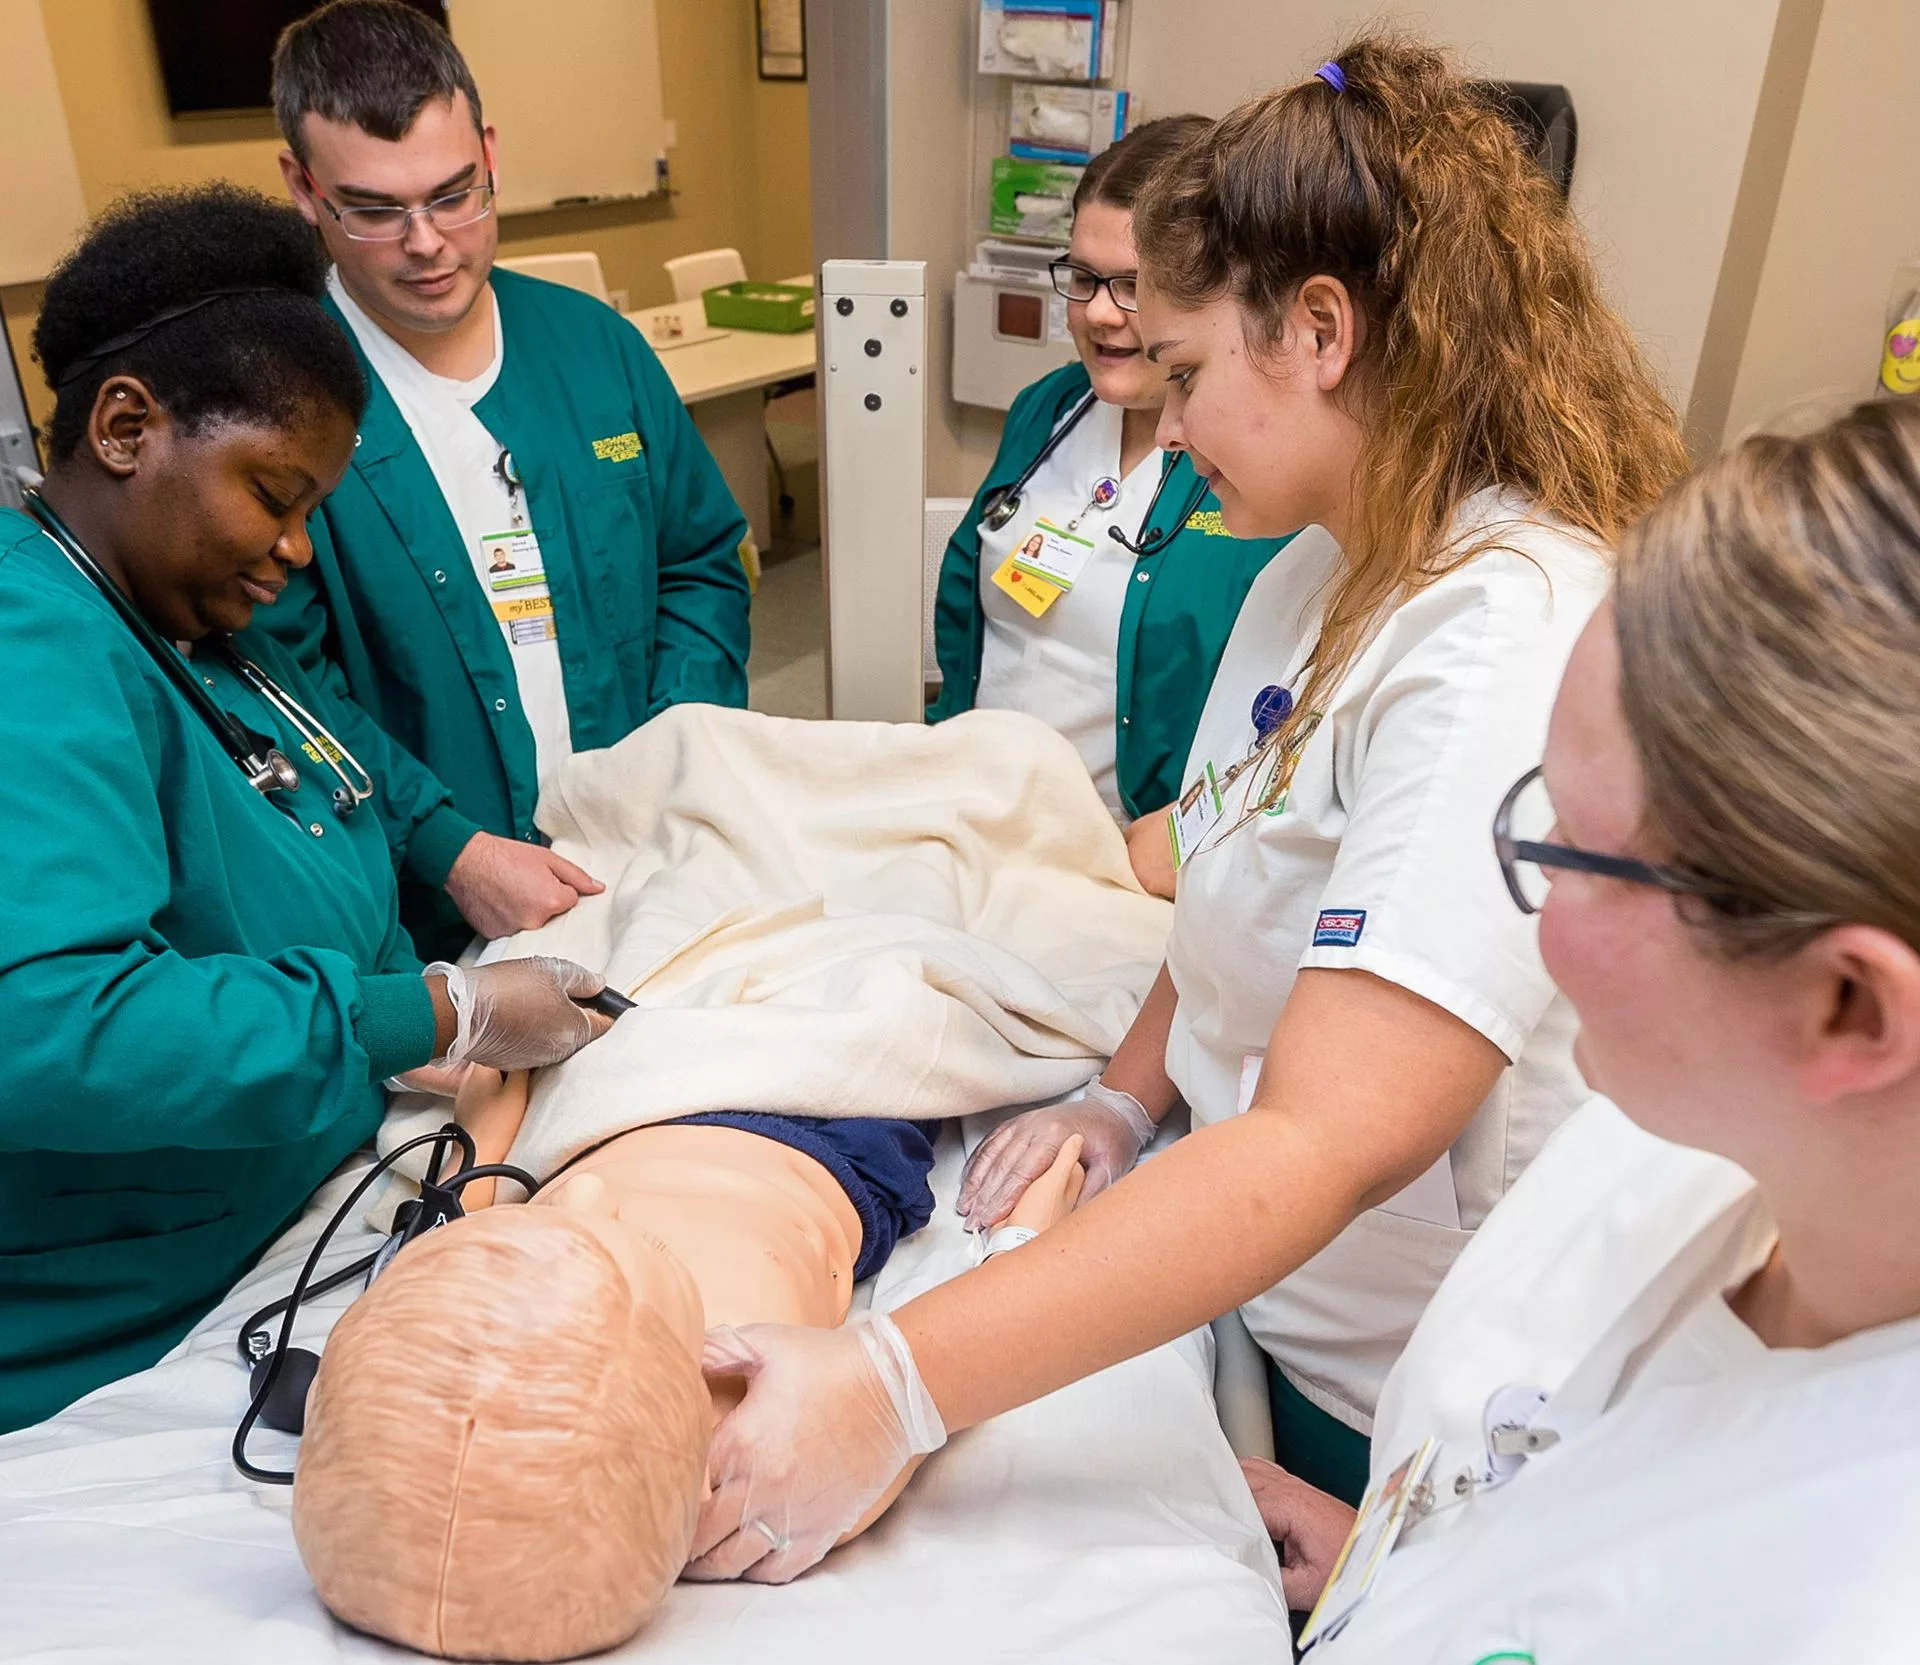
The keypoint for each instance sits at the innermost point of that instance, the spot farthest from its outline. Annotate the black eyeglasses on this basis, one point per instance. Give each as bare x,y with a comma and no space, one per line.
1079,284
1518,853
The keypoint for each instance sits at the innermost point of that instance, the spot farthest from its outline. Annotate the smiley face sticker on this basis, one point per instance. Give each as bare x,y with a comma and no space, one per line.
1900,367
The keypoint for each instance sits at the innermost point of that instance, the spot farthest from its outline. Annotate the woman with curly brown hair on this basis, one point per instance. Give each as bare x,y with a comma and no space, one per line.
1380,324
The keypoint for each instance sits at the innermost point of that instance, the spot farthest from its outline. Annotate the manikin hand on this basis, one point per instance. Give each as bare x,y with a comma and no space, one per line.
830,1419
1308,1529
1113,1129
501,885
1151,852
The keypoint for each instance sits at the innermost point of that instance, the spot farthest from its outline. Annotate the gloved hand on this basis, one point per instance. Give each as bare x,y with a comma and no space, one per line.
520,1014
830,1420
1114,1126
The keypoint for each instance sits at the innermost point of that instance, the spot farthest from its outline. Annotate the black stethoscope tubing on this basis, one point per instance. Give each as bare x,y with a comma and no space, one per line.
269,771
1004,504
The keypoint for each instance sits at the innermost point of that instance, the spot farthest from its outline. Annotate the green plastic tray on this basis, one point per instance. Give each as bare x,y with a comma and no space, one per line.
781,307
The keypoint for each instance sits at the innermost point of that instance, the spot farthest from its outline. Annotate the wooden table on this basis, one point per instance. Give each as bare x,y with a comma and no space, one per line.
722,379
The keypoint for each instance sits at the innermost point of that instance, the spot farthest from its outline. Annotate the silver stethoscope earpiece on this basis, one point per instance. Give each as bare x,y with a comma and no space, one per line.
267,768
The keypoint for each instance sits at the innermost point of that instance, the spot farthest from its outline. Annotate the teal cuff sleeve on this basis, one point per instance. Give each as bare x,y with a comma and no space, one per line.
395,1025
437,843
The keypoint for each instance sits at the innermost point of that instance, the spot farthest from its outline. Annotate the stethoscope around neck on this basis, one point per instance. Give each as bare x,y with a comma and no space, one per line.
1002,505
268,769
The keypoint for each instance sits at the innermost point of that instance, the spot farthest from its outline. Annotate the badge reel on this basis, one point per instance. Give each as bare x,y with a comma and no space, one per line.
1203,804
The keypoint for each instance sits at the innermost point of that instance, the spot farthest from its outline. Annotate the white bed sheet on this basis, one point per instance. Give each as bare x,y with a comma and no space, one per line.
1107,1523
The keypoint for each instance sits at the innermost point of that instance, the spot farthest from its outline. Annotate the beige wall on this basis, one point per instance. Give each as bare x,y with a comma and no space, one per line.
1848,215
739,171
1666,92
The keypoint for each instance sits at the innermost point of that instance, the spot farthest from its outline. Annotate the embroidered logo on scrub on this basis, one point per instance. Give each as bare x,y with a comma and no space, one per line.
1209,521
617,447
1339,927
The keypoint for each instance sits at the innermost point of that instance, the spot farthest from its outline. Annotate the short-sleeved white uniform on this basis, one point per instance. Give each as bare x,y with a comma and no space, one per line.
1381,859
1063,667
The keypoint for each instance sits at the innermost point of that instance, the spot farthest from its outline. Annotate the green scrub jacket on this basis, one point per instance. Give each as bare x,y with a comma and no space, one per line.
1179,611
199,994
641,540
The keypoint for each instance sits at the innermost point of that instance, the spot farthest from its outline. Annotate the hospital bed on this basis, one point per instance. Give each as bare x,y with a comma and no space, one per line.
1108,1522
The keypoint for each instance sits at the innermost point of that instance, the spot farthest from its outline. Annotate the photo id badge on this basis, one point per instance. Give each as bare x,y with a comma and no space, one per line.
1054,556
1376,1528
1036,595
1196,814
511,561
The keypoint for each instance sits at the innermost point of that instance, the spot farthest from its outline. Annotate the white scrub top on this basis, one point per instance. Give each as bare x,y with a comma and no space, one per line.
463,456
1063,666
1381,860
1725,1502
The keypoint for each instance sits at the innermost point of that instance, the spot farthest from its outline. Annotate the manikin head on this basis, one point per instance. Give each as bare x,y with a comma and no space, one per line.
506,1445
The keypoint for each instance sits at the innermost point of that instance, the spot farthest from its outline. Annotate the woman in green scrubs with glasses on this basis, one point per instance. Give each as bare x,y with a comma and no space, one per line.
1120,657
203,979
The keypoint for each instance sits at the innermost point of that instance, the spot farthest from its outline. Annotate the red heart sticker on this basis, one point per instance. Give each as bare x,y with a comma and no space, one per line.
1901,345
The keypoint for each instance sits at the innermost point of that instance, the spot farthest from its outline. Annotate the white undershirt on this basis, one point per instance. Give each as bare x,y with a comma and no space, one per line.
463,457
1063,666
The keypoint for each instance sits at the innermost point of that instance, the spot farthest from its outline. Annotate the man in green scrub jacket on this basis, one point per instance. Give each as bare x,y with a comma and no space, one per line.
533,551
202,987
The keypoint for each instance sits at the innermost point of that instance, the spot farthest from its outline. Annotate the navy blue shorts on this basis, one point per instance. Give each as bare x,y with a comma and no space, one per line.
881,1165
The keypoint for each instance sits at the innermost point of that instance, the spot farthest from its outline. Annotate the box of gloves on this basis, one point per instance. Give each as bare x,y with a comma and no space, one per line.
1033,199
1070,125
1047,40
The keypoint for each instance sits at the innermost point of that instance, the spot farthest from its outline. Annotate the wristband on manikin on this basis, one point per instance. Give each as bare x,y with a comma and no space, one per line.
1124,1105
1003,1238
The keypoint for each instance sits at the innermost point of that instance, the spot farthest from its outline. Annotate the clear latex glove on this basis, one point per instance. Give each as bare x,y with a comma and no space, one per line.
520,1014
1114,1127
830,1420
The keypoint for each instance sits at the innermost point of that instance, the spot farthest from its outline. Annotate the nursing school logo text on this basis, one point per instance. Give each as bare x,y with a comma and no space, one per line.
617,448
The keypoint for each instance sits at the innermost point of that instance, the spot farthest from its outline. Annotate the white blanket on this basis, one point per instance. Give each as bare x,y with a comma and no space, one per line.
1108,1523
838,919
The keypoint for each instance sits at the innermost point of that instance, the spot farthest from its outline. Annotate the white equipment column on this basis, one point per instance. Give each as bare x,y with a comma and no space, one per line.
872,318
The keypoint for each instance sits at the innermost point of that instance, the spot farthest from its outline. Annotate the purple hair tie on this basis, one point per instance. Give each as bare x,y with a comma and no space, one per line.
1333,75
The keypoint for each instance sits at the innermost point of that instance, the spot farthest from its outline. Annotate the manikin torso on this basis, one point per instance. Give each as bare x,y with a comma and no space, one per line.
538,1367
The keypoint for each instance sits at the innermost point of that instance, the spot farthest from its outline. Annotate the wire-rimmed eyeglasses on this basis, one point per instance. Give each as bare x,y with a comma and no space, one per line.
391,223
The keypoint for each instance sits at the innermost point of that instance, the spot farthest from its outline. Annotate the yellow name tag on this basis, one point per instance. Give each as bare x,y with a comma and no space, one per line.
528,618
1036,595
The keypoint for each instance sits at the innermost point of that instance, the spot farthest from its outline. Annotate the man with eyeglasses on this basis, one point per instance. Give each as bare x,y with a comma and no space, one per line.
533,551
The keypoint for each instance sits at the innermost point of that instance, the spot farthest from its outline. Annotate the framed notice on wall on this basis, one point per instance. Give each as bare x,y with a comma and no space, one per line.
783,40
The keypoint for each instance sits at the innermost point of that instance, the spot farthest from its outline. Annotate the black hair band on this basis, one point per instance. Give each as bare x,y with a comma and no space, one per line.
133,337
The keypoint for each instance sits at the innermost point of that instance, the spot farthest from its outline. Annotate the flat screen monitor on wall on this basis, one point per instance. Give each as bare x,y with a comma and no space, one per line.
218,54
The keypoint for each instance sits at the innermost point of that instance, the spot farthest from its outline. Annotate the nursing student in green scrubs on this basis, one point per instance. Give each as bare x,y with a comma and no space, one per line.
1120,661
202,986
533,551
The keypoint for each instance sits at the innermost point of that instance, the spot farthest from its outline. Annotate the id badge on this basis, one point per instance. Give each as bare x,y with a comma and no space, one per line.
1036,595
1376,1528
527,619
1196,814
512,561
1052,555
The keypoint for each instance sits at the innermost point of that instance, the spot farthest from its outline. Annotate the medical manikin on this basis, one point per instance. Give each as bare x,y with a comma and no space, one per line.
505,1448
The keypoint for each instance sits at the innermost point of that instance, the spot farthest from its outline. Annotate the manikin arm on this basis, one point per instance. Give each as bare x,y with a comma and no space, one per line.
490,1105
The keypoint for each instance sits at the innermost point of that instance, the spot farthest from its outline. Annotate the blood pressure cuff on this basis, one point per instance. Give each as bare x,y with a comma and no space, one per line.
881,1165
